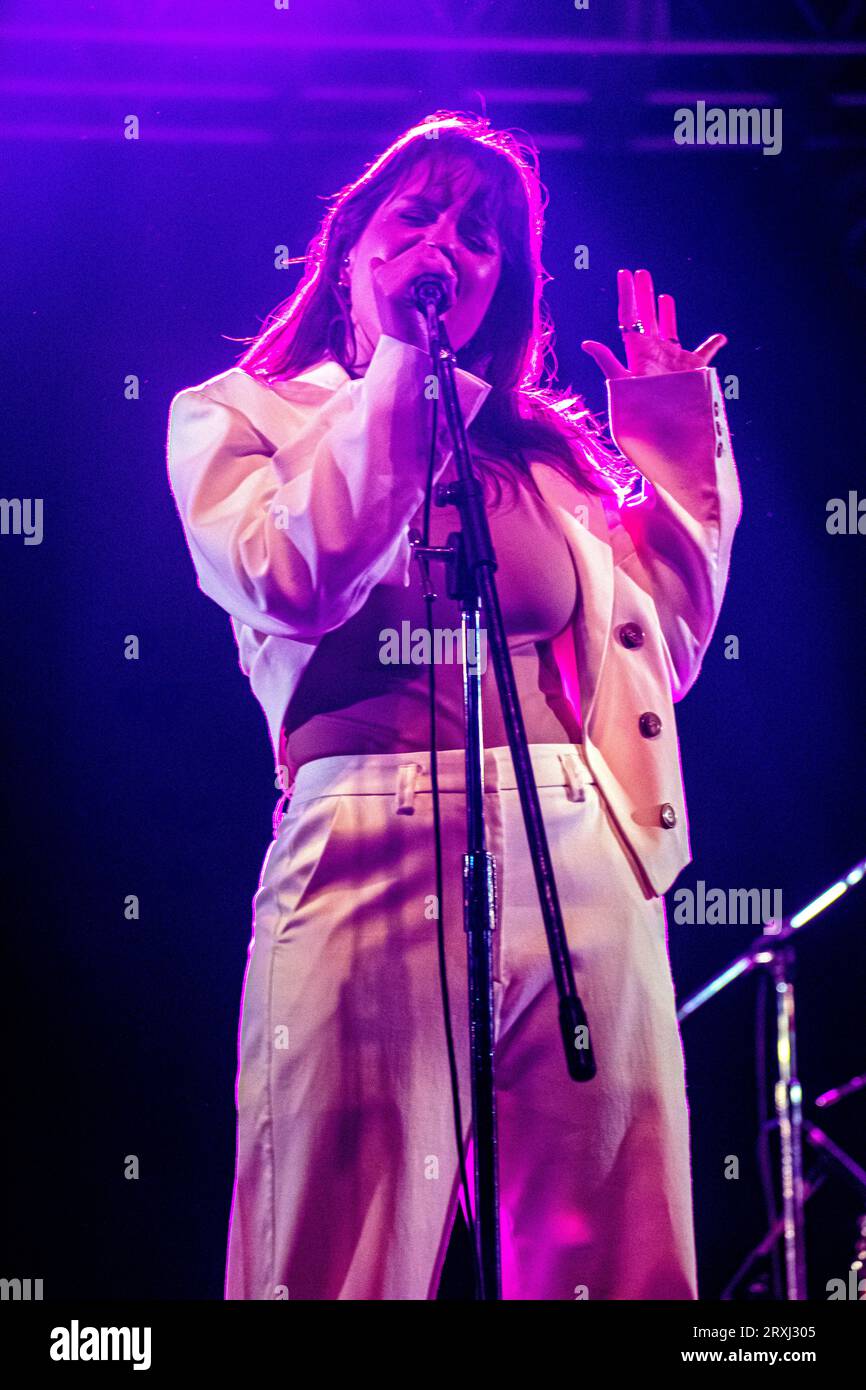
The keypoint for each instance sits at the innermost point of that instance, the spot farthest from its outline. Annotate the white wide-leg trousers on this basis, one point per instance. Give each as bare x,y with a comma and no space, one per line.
346,1178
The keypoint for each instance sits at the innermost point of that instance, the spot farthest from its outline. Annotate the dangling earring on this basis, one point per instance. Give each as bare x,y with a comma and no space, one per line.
341,330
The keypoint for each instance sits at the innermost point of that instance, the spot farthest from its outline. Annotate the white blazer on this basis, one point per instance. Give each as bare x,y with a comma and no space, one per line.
295,500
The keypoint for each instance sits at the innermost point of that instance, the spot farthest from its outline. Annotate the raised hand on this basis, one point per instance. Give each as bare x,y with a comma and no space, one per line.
651,343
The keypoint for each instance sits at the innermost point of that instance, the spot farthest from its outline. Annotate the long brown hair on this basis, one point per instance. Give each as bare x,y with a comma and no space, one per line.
523,415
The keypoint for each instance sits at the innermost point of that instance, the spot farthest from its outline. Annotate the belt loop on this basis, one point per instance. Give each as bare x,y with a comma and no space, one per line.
573,778
404,797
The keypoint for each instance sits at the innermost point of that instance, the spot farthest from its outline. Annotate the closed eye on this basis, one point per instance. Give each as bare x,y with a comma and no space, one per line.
475,239
481,242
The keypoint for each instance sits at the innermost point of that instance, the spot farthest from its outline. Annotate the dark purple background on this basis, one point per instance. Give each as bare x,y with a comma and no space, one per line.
154,777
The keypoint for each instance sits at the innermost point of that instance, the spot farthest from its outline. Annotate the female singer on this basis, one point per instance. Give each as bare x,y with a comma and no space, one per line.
298,475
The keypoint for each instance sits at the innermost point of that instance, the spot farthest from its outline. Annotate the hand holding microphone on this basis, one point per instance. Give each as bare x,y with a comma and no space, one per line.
394,283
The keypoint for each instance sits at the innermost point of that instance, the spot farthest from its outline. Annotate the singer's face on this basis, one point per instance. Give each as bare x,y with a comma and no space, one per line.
435,205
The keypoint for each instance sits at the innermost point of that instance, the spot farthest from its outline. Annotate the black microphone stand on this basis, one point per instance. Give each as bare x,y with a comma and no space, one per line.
470,561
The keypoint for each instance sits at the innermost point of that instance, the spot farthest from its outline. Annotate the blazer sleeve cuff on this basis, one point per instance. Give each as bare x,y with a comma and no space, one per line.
393,356
673,427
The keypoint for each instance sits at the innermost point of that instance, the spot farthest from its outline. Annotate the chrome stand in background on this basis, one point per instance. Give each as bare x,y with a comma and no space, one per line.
775,950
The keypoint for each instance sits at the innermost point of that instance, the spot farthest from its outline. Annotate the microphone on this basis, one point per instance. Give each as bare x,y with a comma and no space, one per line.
430,288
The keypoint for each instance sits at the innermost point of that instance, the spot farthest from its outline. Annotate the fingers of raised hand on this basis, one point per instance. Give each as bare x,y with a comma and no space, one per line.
651,342
709,347
667,317
637,304
604,359
627,303
646,301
